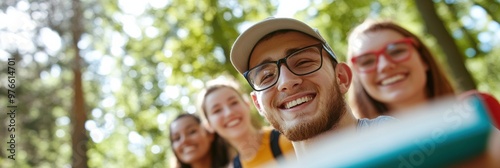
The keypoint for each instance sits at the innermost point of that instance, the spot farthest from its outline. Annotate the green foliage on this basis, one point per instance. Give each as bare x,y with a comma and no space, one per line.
486,71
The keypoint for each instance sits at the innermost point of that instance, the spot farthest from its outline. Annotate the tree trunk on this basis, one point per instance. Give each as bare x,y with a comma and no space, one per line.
79,136
453,56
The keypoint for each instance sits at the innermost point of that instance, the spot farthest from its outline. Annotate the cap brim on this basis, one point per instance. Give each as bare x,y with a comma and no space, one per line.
244,44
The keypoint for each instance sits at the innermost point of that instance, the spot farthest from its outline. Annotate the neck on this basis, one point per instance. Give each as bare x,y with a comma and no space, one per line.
404,105
203,162
302,148
247,144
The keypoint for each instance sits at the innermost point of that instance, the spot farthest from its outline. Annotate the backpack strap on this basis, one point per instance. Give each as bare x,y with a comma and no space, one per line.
236,162
275,143
275,148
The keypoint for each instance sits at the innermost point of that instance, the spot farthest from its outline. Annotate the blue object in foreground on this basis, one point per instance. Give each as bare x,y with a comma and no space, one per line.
438,135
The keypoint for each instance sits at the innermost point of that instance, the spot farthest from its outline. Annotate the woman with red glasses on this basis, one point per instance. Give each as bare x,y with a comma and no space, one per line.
392,70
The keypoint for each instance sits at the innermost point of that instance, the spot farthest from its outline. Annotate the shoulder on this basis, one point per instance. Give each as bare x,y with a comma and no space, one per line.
266,134
491,104
285,144
271,134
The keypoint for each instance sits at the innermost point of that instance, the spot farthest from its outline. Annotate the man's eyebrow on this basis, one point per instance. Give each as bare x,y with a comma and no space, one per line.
287,53
291,51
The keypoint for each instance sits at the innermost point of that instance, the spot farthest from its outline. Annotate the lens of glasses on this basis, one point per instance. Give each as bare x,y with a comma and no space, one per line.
304,61
398,51
366,62
301,62
263,75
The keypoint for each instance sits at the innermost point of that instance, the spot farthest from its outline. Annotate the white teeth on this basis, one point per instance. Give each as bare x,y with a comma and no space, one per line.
392,79
233,123
297,102
189,149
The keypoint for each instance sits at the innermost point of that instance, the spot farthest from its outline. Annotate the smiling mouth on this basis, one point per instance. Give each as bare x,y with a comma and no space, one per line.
297,102
233,123
392,80
188,149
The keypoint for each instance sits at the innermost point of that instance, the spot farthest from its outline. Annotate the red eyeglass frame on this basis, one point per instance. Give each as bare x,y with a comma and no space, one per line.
381,51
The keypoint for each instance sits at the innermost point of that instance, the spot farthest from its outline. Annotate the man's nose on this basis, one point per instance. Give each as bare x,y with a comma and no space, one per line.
287,80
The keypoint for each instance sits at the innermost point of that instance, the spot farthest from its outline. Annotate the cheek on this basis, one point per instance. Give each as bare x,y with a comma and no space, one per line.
265,97
420,63
421,73
267,104
176,147
215,121
212,120
239,109
367,80
201,135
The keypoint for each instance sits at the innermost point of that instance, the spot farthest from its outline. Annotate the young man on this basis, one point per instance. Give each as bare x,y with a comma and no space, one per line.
298,83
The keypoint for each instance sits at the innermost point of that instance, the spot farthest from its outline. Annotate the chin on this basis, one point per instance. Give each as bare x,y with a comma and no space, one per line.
236,133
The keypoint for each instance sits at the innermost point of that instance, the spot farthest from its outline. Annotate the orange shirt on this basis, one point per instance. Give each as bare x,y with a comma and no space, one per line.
264,154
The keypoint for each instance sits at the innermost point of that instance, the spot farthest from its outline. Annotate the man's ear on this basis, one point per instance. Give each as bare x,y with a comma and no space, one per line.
344,77
256,102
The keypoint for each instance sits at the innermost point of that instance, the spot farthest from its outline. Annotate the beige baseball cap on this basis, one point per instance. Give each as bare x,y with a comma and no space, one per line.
244,44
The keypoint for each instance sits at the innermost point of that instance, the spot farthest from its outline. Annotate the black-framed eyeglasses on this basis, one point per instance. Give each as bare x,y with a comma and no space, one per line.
304,61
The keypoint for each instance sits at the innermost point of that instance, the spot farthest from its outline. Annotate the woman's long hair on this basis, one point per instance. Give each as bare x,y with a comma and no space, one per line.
364,105
219,148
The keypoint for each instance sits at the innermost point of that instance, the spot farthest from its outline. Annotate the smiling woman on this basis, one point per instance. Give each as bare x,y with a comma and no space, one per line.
392,70
228,113
194,146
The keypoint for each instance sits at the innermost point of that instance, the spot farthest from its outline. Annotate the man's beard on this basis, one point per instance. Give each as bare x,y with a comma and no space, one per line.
326,120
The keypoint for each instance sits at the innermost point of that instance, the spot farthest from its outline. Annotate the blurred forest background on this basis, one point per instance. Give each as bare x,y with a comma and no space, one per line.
98,82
